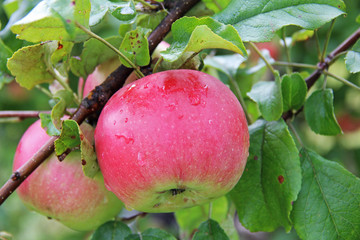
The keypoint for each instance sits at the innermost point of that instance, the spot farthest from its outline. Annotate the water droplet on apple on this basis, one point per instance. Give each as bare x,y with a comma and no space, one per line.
141,159
126,120
210,121
114,122
107,186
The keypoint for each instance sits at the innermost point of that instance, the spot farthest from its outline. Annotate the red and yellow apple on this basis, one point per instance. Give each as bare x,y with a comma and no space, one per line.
171,140
60,190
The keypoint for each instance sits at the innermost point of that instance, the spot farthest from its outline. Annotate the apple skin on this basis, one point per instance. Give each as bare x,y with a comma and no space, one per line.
171,140
103,70
60,190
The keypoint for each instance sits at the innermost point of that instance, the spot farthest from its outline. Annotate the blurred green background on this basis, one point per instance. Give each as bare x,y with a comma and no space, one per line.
345,149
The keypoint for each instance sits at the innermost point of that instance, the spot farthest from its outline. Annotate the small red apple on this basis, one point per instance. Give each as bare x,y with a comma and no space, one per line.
171,140
103,70
60,190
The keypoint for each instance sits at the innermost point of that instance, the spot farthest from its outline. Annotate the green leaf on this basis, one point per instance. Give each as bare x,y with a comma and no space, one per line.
259,20
189,218
5,53
125,13
111,230
302,35
210,229
54,20
328,203
150,20
69,137
151,234
319,113
63,99
294,90
47,124
352,58
28,64
99,8
272,178
89,162
136,47
93,54
195,34
269,98
228,64
62,52
216,5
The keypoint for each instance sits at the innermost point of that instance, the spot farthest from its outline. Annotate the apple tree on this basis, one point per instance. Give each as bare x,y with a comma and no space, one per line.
213,119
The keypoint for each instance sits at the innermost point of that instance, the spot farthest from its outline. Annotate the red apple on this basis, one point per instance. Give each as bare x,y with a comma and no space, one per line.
171,140
60,190
103,70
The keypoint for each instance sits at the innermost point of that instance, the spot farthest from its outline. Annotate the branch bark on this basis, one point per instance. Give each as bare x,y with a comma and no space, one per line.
96,100
322,66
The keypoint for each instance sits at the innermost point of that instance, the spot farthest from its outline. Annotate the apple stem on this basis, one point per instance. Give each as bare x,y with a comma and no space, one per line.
210,210
97,37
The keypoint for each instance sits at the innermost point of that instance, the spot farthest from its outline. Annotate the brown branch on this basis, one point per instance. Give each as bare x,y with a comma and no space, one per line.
98,97
26,114
310,81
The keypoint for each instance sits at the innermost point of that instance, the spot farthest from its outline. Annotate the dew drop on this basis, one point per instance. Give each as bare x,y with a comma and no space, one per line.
141,159
114,122
195,99
210,121
126,120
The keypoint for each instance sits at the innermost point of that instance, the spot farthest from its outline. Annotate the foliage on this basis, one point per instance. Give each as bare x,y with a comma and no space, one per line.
295,177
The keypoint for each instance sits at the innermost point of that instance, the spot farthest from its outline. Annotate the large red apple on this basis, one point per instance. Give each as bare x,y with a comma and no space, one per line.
60,190
171,140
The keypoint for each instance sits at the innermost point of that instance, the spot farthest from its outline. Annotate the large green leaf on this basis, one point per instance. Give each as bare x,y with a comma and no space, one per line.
352,59
294,91
268,96
271,180
54,20
28,64
111,230
69,137
195,34
258,20
93,54
210,230
319,113
328,205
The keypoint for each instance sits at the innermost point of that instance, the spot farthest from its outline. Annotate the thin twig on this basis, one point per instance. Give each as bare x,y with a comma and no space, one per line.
27,114
322,66
263,58
97,98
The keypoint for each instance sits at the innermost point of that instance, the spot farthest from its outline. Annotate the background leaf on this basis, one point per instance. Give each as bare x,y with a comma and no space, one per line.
259,20
352,59
294,90
210,229
195,34
151,234
267,94
93,54
28,64
54,20
111,230
272,178
136,47
329,200
319,113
